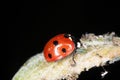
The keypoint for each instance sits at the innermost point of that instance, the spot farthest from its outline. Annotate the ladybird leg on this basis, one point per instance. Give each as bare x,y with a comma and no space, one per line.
73,59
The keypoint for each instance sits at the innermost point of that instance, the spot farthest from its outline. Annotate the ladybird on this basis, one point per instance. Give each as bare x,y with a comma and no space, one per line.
59,47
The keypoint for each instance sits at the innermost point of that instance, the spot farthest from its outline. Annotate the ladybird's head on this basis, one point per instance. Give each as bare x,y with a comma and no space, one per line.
74,39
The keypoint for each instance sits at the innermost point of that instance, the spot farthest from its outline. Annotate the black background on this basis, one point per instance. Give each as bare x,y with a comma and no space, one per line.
32,23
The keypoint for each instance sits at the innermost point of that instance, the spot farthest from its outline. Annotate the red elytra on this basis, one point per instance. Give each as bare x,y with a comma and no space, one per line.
58,47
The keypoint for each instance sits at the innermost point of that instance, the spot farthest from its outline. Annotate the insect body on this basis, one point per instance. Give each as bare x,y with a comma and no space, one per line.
59,47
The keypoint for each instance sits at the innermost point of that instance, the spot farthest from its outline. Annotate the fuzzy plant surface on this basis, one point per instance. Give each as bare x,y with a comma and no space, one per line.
96,50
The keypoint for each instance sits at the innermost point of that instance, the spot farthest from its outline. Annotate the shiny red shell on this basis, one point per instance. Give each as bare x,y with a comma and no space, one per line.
58,47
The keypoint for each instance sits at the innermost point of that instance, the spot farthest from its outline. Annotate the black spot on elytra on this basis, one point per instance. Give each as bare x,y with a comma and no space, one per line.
63,50
49,55
55,42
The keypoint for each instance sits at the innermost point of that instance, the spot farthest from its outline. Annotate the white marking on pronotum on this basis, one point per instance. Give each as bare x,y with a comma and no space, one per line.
78,45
